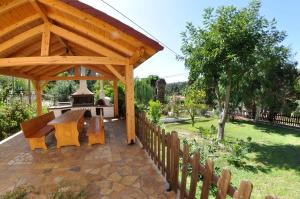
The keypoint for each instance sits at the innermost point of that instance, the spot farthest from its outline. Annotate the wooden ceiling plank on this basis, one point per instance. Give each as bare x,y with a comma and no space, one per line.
13,73
21,38
63,60
19,24
90,33
52,71
86,43
40,10
62,7
115,72
11,5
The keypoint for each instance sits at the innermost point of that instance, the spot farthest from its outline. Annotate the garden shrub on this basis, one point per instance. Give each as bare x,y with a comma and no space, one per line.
11,115
154,111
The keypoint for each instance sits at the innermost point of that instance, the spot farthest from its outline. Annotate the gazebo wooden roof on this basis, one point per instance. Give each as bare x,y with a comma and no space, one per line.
40,39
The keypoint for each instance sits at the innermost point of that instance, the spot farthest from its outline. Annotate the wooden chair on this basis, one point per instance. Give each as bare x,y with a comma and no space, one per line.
95,131
36,129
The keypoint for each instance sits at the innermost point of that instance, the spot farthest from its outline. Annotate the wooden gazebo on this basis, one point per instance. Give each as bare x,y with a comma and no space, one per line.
40,39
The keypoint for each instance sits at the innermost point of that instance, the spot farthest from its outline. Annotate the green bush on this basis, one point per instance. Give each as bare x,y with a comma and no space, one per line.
11,115
154,111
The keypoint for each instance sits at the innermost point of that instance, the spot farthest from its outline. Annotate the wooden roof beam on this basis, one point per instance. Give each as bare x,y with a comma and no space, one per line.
40,10
21,38
45,47
11,5
82,41
115,72
14,73
98,70
63,60
19,24
91,33
52,71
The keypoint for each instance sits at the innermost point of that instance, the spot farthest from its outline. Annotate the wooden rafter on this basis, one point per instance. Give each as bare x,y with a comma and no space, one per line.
91,33
62,7
40,10
84,42
11,5
21,38
115,72
63,60
14,73
19,24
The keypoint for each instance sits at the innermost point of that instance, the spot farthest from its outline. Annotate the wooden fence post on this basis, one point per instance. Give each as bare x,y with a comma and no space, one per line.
208,178
175,146
244,191
223,184
184,174
163,146
194,178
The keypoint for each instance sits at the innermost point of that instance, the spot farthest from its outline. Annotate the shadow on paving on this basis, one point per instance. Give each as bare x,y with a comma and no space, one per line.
267,128
278,156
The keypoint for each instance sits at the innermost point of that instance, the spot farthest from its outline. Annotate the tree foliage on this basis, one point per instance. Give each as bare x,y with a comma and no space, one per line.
194,101
62,90
154,111
231,51
143,91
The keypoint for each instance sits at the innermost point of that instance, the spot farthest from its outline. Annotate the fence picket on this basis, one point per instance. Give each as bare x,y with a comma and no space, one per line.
185,162
194,177
164,150
208,177
223,184
244,191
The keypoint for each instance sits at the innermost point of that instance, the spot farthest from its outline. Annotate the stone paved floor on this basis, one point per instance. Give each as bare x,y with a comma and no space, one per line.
114,170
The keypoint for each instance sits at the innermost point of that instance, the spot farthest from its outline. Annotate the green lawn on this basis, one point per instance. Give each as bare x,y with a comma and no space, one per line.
275,157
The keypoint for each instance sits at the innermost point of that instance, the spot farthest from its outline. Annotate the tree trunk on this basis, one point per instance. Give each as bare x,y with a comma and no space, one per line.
223,115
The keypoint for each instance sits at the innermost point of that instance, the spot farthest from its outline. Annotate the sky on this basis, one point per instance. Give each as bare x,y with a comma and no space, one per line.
166,19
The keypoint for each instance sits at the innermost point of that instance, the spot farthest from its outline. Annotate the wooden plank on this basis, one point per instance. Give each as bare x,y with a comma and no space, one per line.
116,99
194,177
15,73
163,151
99,69
115,72
155,144
244,191
168,157
129,95
45,40
184,174
91,33
11,5
175,160
19,24
20,38
223,184
159,148
40,10
84,42
63,60
208,179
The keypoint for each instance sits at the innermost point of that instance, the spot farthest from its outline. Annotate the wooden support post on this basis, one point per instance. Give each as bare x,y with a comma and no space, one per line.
116,99
130,124
38,95
45,48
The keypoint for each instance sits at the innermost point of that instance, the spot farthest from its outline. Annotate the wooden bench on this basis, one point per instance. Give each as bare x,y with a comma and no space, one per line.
36,129
95,131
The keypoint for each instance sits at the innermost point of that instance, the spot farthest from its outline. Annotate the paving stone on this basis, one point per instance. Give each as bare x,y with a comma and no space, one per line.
111,171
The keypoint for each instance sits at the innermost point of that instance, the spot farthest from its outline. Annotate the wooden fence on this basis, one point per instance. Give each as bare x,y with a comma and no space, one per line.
280,119
164,149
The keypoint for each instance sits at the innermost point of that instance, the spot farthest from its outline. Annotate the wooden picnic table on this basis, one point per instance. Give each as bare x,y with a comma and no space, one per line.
67,127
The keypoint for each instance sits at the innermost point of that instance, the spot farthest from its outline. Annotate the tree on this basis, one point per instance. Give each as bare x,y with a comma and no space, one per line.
154,111
143,92
161,89
226,49
62,90
194,101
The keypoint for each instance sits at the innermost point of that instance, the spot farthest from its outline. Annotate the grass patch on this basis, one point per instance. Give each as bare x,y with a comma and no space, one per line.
273,165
